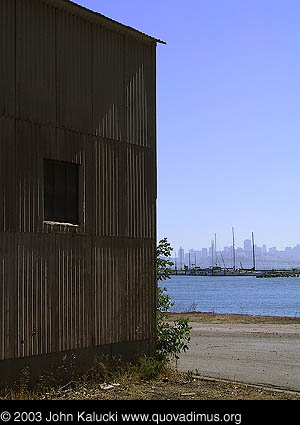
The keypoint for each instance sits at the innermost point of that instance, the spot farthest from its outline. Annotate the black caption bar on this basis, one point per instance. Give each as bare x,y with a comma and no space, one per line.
139,412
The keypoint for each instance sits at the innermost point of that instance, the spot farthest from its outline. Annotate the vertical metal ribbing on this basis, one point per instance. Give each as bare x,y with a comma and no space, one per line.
35,62
74,73
7,51
84,95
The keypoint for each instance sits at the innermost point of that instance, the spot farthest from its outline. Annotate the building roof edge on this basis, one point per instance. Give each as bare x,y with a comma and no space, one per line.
101,19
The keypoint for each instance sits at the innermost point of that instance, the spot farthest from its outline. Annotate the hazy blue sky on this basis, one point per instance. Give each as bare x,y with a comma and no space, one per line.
228,104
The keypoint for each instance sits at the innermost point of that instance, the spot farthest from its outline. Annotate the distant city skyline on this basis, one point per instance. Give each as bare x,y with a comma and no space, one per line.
239,257
247,247
280,245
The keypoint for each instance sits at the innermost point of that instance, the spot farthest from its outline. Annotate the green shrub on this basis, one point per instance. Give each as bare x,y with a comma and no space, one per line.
172,339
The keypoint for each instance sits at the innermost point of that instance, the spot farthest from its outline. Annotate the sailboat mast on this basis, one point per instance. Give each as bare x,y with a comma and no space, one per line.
233,249
216,261
253,251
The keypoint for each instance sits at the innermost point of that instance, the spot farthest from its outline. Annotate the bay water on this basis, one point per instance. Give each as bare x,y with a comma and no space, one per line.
237,294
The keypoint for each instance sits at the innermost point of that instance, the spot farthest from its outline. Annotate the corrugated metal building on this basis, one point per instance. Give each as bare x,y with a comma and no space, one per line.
78,183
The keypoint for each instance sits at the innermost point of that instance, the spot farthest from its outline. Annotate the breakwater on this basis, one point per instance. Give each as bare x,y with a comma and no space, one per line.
218,271
279,273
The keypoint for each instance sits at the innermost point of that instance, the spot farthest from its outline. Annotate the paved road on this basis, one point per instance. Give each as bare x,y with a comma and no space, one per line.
252,353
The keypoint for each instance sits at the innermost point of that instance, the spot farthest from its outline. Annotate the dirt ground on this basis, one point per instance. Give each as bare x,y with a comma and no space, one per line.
172,384
251,349
233,318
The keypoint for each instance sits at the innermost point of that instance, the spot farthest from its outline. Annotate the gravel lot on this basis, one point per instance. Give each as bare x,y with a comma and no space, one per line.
252,349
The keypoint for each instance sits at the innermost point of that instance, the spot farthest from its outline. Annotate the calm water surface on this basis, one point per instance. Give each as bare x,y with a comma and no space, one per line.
226,294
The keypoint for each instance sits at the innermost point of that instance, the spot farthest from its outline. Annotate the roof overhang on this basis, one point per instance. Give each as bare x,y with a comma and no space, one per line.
100,19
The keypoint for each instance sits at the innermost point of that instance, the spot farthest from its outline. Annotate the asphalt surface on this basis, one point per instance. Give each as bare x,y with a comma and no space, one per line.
264,354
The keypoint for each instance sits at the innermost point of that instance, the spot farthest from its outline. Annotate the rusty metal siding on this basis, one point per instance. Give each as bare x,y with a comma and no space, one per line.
109,186
33,143
124,193
7,174
109,302
141,193
138,92
34,294
7,66
62,305
73,272
141,289
108,84
86,95
74,72
48,308
35,62
7,296
124,290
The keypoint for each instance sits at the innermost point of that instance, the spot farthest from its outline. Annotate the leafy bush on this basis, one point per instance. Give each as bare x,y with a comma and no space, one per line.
163,265
172,339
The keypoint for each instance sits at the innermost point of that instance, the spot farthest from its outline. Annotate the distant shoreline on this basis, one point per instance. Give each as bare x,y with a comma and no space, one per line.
211,317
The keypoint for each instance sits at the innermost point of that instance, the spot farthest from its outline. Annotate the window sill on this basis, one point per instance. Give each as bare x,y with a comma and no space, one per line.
59,223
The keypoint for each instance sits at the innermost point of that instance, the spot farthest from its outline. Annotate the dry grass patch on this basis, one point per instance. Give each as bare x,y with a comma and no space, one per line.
123,381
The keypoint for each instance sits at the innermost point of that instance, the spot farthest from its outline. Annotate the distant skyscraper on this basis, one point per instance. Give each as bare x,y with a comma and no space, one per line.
180,258
197,258
211,254
247,245
258,250
264,249
204,252
192,258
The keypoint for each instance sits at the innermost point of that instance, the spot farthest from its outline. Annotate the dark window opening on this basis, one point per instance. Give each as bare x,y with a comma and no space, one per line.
61,191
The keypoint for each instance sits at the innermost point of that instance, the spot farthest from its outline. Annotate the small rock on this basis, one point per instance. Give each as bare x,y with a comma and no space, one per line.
106,387
188,394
